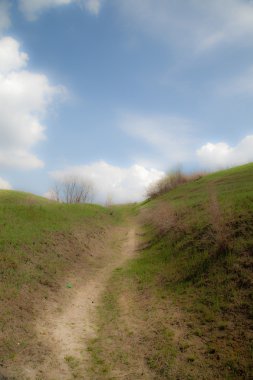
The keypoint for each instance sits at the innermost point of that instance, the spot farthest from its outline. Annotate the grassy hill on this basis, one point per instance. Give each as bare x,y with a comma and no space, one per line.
41,242
181,309
189,291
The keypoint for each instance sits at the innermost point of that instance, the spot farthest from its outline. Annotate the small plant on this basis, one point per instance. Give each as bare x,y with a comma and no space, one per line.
72,362
184,346
191,359
198,332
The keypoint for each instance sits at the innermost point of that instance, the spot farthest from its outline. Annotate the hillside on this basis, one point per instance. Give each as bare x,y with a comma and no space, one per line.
189,291
43,246
79,301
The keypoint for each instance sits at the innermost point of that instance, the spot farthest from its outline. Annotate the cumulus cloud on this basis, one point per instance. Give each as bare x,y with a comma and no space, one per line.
32,9
4,185
5,21
222,155
198,24
170,137
24,98
120,184
11,58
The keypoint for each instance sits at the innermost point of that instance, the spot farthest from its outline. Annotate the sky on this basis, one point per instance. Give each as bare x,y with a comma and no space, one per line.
122,91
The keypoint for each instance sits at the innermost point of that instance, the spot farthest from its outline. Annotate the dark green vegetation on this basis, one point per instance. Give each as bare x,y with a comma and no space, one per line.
188,294
40,243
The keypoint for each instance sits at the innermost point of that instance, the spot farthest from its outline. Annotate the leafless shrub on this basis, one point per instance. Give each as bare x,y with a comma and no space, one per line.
164,219
170,182
72,189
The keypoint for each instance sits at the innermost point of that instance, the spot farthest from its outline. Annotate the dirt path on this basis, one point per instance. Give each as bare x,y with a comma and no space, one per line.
66,325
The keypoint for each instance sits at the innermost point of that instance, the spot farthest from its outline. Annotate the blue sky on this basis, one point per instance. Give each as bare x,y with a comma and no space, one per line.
120,91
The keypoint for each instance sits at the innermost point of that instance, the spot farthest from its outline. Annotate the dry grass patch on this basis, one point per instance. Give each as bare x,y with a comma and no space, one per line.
142,336
172,181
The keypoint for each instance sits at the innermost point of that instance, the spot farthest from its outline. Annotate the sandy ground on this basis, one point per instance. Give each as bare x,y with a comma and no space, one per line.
68,322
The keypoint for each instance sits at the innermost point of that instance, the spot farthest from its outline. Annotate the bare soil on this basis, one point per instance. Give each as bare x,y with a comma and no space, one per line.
67,319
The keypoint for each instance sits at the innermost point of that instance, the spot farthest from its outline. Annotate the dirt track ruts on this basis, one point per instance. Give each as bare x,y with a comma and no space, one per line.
66,326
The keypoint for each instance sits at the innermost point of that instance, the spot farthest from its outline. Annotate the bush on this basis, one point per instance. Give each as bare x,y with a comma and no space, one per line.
170,182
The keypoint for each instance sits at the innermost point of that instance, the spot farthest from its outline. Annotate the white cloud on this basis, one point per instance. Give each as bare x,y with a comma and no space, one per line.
176,140
93,6
5,21
32,9
20,159
4,185
170,137
11,58
221,155
120,184
24,98
196,24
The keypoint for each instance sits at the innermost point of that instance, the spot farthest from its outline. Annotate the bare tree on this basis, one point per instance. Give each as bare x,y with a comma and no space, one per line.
72,189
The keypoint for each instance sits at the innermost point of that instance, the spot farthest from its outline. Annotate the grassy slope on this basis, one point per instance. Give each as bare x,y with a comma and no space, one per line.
189,292
184,304
40,242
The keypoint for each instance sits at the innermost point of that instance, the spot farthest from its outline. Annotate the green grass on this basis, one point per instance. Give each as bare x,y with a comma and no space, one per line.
190,285
205,269
28,227
189,314
38,246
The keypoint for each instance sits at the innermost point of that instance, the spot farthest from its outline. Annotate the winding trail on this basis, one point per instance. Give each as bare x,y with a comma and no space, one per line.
66,325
